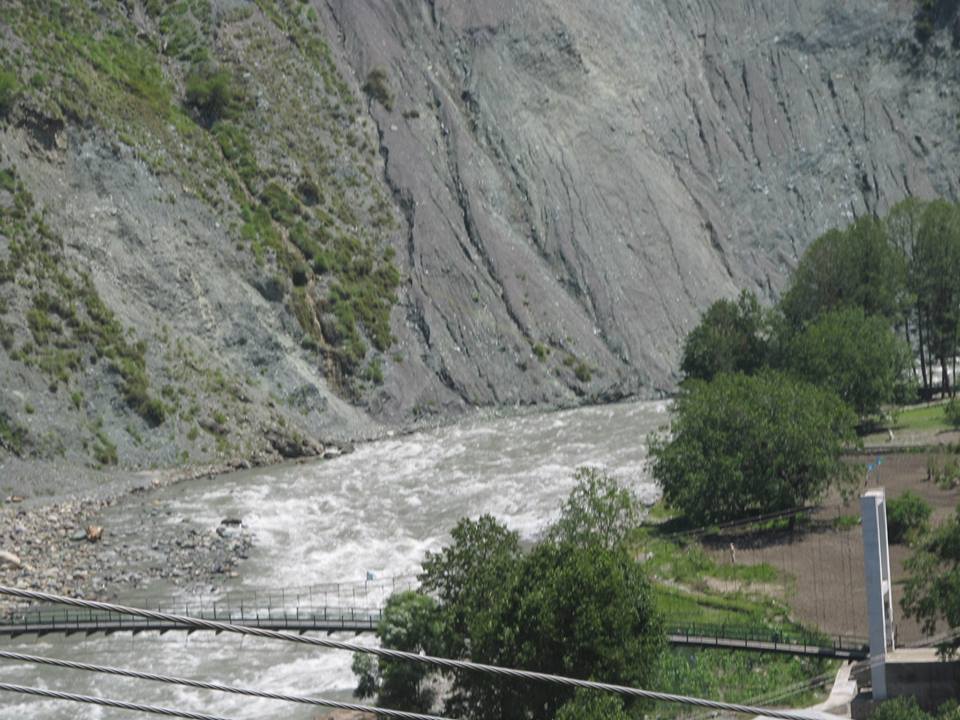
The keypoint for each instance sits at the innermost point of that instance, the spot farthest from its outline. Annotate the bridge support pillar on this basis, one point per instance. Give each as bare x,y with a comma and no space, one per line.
876,562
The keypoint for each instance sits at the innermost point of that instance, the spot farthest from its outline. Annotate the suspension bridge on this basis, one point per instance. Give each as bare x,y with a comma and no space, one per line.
329,619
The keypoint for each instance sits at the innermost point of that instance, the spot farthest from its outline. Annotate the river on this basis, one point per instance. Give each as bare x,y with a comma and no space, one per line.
372,513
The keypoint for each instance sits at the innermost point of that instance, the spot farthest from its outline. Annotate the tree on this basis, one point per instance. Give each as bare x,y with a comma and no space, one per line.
578,603
598,510
932,590
859,357
935,276
903,227
585,611
729,338
592,705
409,623
743,445
857,266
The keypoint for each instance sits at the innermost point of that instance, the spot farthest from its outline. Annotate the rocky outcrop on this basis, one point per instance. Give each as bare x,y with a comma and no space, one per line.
563,187
580,180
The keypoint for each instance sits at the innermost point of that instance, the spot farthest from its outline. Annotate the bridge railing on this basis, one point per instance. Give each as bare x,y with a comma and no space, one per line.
81,620
779,636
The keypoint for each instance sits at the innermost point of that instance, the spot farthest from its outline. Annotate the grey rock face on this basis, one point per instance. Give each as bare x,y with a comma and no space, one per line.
589,176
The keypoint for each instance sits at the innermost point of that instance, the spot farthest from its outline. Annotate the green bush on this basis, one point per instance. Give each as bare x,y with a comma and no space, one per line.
583,372
951,412
378,88
9,91
907,516
283,208
212,94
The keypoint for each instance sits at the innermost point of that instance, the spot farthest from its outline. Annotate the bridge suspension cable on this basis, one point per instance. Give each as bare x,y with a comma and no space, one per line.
446,663
186,682
107,702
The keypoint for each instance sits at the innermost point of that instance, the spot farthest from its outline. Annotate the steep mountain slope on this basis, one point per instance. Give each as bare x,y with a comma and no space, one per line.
231,228
590,175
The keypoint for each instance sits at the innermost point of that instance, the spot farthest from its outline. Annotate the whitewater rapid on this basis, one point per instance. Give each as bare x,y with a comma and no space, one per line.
370,514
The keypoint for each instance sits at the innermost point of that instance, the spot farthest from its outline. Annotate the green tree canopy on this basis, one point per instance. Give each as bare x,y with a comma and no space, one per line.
409,623
578,603
857,356
744,445
592,705
856,266
933,587
729,338
935,280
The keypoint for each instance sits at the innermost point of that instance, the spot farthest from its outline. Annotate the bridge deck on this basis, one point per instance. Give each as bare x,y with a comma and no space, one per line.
328,620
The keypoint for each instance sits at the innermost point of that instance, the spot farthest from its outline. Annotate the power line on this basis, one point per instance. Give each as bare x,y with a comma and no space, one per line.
446,663
170,680
106,702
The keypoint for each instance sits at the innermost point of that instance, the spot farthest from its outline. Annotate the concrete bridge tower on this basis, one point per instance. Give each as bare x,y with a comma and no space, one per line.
876,561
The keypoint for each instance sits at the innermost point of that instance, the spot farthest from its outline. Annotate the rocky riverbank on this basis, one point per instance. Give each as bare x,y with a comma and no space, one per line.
56,542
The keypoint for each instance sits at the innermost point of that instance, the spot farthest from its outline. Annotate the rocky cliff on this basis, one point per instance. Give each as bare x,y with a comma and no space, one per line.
230,228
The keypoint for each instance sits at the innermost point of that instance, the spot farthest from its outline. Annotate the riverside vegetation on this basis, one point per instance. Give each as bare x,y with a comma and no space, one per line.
576,603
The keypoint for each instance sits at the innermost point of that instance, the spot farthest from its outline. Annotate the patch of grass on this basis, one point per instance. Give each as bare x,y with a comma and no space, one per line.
212,94
9,91
282,207
582,372
926,417
104,451
846,522
689,563
541,351
13,437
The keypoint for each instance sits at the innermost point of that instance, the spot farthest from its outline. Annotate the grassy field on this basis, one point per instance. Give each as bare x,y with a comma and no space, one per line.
915,425
922,417
691,586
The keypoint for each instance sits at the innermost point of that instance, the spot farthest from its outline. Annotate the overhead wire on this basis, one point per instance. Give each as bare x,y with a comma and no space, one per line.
219,687
107,702
387,653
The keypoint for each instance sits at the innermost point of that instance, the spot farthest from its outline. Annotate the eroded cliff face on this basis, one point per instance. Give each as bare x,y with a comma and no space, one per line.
584,178
550,193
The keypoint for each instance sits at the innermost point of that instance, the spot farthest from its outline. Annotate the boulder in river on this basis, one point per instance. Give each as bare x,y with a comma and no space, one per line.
9,559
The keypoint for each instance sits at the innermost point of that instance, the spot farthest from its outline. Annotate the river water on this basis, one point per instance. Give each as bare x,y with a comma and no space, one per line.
372,513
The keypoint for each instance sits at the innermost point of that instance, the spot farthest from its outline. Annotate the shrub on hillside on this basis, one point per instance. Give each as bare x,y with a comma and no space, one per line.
9,91
212,94
907,517
378,88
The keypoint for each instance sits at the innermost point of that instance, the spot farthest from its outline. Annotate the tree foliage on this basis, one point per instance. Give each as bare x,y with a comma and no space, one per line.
729,338
907,708
907,516
409,623
856,266
744,445
592,705
578,603
212,93
935,280
857,356
933,587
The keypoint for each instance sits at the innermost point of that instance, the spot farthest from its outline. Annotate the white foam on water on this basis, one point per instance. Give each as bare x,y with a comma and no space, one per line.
378,509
